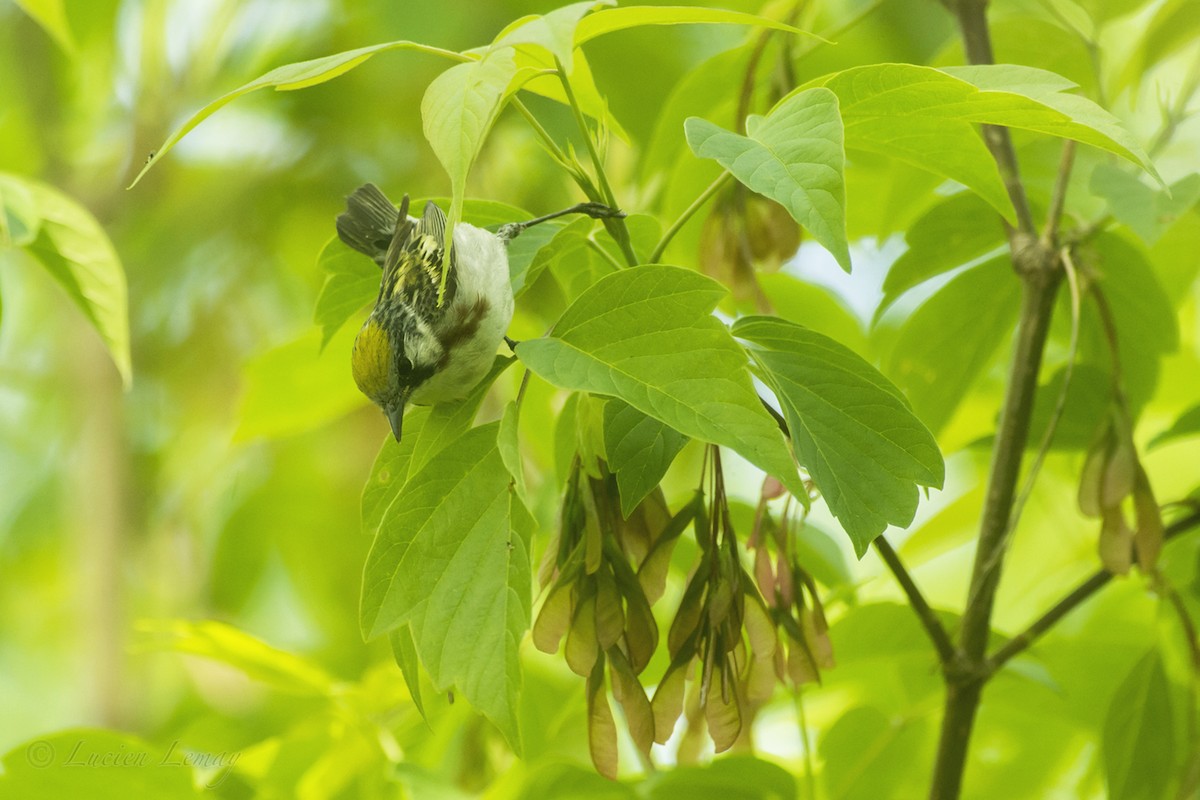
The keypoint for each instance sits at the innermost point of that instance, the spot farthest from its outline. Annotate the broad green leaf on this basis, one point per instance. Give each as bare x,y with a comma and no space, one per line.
19,220
554,31
1188,424
52,17
287,78
457,112
612,20
1139,737
526,250
869,756
298,386
795,156
404,650
451,560
956,231
850,427
640,449
426,432
73,248
1147,211
240,650
950,338
647,336
738,777
352,282
103,765
927,117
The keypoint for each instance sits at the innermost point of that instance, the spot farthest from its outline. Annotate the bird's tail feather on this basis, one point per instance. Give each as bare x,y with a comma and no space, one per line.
369,221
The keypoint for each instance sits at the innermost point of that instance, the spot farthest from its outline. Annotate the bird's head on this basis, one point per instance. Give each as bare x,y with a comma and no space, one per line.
394,354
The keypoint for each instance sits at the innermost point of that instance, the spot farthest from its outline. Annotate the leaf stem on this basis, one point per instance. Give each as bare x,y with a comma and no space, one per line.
1059,198
929,619
615,225
688,213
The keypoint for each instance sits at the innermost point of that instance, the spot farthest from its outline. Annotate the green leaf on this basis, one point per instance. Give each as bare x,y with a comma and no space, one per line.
868,756
404,650
228,645
1188,424
1148,212
52,17
554,31
640,449
647,336
457,112
956,231
73,248
794,156
19,219
612,20
287,78
1174,26
510,446
297,387
102,765
814,306
1139,741
352,283
943,347
426,432
927,117
451,560
850,427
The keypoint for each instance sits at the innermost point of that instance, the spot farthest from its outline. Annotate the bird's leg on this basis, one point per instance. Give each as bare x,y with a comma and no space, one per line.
594,210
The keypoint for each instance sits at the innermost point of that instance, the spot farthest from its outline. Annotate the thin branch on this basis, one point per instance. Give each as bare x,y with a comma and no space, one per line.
1059,198
687,214
929,618
1019,643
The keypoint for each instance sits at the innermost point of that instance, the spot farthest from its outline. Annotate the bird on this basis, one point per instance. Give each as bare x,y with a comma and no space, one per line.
422,344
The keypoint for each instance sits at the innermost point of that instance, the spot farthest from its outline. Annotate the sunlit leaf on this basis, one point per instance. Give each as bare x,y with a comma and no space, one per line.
1147,211
555,30
1187,424
286,78
646,335
404,650
611,20
735,777
469,605
52,17
850,427
352,282
794,156
74,249
640,449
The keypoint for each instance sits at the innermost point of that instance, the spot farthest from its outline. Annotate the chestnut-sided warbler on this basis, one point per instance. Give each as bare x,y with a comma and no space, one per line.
416,347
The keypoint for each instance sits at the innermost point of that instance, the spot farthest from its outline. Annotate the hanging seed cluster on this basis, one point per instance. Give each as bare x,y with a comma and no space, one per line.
603,572
1112,479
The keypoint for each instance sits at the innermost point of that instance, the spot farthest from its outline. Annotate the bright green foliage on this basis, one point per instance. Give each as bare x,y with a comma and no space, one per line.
794,155
1139,733
467,605
639,449
851,428
645,335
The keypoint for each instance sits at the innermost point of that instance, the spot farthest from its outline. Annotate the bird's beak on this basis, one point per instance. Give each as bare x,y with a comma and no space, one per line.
395,416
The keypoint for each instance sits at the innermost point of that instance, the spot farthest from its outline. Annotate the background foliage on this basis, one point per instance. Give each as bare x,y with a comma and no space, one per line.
184,452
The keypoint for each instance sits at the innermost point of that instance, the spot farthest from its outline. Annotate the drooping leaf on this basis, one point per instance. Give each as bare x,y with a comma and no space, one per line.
602,728
640,449
404,650
74,249
287,78
851,428
956,231
52,17
457,112
736,777
1139,735
795,156
946,343
927,117
646,335
554,31
468,605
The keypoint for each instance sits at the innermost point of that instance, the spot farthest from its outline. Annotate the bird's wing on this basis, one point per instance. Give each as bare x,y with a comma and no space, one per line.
369,221
413,264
